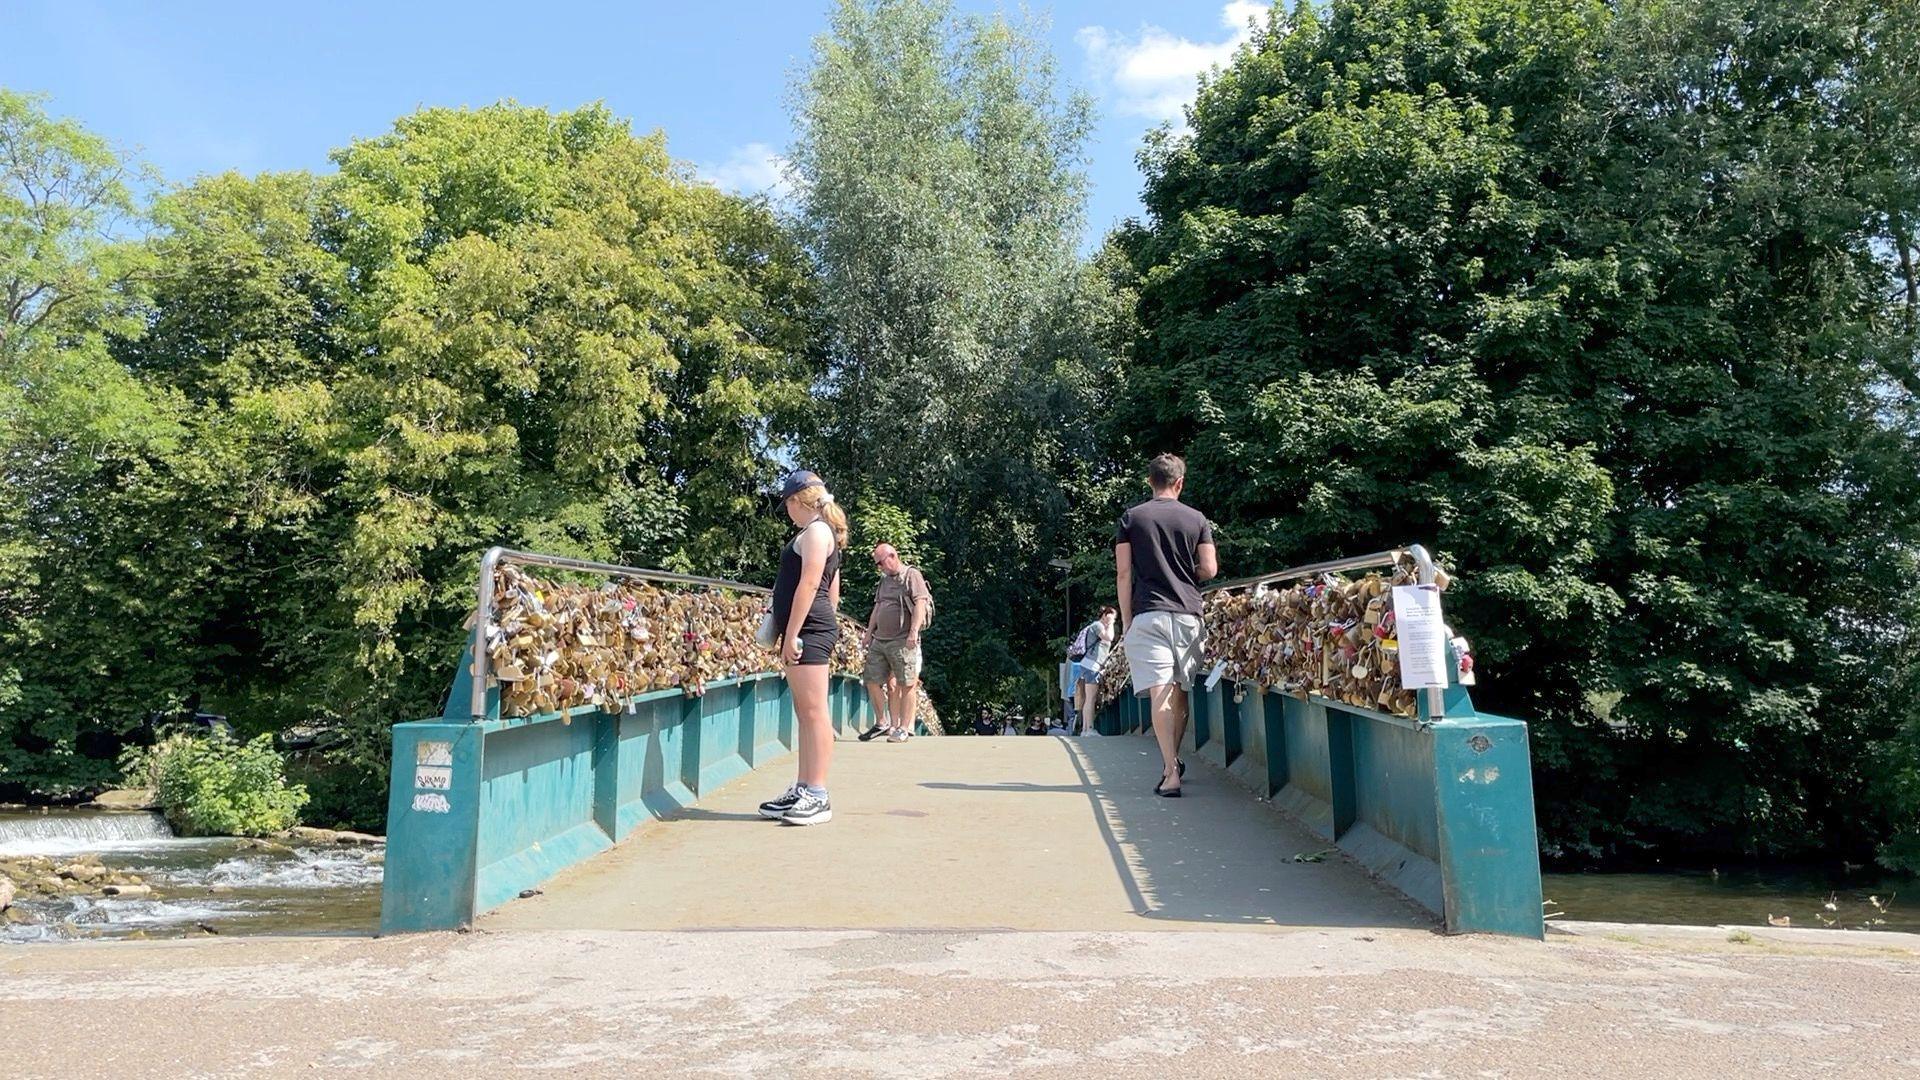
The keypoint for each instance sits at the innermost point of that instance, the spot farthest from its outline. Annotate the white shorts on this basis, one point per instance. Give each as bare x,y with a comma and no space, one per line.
1164,648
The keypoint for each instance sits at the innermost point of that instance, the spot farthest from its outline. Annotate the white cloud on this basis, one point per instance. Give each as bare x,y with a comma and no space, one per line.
753,169
1154,73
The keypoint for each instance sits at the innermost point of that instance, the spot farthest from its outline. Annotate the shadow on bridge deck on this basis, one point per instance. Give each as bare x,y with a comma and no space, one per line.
1013,832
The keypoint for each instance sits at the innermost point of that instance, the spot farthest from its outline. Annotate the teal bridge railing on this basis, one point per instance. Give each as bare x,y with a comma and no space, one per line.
1439,806
482,807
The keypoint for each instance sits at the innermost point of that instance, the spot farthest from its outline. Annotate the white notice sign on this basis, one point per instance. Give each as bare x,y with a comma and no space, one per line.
1422,634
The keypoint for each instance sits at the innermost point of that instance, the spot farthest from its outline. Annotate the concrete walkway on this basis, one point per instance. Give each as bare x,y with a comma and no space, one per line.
932,1004
1013,832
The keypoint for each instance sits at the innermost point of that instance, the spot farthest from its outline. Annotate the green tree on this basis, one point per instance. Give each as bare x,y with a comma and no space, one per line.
940,196
499,325
1590,296
71,422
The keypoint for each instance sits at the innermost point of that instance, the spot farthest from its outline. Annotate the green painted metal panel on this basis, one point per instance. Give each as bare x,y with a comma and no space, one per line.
1392,791
1247,738
1200,720
1226,720
479,811
536,806
1307,791
770,738
726,726
1273,706
433,816
1393,832
1488,848
649,763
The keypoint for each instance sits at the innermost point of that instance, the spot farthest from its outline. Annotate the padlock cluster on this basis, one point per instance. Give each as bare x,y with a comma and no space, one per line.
1113,675
552,646
1332,637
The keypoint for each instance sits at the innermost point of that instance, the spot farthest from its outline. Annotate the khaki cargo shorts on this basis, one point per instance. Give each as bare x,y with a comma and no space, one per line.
1164,648
892,658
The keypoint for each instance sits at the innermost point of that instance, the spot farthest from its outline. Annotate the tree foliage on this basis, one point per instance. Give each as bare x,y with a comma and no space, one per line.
1595,297
489,326
941,197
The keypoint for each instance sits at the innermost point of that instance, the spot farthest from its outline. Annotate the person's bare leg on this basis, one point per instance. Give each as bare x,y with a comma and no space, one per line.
905,700
1086,692
815,722
1168,704
877,697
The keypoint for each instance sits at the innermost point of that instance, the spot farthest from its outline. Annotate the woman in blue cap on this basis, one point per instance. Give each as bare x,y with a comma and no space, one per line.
805,598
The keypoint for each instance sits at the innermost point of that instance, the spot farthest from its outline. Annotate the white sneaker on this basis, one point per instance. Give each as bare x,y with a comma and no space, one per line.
808,809
776,808
896,735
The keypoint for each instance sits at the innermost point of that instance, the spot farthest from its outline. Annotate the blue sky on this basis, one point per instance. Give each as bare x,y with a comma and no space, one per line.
199,87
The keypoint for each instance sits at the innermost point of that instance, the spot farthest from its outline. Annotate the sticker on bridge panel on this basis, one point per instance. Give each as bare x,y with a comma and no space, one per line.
432,802
433,753
433,777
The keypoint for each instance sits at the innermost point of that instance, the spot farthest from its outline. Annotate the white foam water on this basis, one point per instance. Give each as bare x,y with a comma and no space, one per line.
308,869
76,833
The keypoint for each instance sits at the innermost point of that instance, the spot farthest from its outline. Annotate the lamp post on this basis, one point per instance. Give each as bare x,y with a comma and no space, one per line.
1066,585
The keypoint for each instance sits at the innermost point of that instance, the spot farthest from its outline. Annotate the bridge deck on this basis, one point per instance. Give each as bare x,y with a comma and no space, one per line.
1013,832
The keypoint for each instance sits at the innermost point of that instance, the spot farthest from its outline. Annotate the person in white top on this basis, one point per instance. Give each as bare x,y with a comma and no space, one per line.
1088,653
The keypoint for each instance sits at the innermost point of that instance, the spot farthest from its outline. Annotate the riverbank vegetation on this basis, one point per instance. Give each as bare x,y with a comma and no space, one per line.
1614,304
214,785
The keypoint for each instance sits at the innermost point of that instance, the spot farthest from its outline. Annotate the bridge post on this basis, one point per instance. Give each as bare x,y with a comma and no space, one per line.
1489,851
433,822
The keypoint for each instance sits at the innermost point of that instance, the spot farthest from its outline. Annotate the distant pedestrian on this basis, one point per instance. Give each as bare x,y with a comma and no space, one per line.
985,725
805,598
1163,549
1087,654
901,606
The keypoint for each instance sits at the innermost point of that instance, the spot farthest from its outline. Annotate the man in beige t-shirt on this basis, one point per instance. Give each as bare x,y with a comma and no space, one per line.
893,644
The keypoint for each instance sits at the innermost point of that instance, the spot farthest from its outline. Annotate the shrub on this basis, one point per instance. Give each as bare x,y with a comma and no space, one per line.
216,786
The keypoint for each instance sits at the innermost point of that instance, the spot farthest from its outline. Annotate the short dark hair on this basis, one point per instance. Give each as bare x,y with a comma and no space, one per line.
1107,609
1165,471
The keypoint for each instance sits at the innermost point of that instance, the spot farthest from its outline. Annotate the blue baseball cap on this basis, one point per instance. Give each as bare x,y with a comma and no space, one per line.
800,480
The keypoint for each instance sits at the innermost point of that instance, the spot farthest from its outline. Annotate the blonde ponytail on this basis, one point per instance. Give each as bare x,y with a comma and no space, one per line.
816,498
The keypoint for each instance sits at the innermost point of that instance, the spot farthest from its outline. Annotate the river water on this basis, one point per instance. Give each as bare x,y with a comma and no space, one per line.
218,885
1739,898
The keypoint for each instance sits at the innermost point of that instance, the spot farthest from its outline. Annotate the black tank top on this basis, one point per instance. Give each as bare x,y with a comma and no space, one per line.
820,610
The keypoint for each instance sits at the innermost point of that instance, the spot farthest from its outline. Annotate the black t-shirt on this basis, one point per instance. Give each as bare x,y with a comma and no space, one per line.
1164,534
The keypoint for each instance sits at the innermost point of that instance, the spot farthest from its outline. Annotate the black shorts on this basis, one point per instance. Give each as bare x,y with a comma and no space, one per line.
816,646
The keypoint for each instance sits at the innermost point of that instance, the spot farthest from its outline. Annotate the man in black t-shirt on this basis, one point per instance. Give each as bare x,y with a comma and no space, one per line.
1162,551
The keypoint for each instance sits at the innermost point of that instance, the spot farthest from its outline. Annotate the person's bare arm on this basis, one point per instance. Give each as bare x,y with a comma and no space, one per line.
833,591
1206,562
1123,581
919,611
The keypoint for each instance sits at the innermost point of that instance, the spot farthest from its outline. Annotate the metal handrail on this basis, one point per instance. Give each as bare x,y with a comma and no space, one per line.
498,555
1428,574
1428,571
